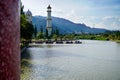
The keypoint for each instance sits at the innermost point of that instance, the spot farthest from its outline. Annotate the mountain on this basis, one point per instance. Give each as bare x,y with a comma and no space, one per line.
65,26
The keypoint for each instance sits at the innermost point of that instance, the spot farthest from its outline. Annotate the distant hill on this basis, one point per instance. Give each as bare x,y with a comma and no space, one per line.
65,26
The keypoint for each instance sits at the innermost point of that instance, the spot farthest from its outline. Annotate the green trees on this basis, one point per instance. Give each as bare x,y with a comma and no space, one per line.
46,33
41,29
114,35
55,37
35,31
26,28
21,10
55,31
118,35
40,35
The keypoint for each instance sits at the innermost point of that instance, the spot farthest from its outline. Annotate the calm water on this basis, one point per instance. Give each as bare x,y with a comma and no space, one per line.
91,60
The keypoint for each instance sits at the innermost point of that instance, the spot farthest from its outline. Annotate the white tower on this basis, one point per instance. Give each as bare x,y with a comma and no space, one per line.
49,21
29,16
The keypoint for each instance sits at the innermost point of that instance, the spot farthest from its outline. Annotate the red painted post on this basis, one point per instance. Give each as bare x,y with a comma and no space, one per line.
9,40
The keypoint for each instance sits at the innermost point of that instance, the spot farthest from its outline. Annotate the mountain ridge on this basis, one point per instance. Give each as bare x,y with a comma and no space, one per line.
65,26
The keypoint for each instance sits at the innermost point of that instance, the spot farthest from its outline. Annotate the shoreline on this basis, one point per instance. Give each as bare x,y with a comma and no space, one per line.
56,42
23,49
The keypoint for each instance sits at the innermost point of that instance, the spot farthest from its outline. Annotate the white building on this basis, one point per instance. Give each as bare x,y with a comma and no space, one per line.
29,16
49,21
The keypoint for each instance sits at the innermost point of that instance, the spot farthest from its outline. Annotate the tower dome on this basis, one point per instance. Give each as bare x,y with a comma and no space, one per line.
29,13
29,16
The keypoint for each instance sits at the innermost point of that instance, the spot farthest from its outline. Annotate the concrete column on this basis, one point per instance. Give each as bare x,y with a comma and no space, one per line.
9,40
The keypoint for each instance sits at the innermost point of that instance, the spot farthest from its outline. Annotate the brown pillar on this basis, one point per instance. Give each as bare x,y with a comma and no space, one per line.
9,40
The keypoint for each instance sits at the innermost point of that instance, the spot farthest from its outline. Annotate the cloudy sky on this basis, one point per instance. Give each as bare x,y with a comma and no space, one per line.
94,13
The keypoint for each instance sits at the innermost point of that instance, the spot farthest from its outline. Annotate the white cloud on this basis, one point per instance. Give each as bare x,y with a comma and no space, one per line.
82,17
111,18
101,25
109,22
115,25
107,17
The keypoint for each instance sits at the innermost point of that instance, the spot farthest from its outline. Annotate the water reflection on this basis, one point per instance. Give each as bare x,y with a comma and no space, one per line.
32,69
92,60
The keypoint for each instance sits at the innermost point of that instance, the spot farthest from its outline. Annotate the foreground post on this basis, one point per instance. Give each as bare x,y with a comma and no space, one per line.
9,40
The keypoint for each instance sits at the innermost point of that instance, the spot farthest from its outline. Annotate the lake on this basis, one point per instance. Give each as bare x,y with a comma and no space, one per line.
91,60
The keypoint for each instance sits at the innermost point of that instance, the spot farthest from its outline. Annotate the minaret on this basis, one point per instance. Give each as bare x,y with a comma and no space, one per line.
49,21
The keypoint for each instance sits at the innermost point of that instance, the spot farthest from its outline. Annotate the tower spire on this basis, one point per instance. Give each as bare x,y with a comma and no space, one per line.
49,7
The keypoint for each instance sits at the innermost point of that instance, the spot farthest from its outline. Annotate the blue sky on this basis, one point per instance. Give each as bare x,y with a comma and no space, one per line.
94,13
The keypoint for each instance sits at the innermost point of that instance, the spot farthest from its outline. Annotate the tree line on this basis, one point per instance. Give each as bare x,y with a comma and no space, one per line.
44,34
26,29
